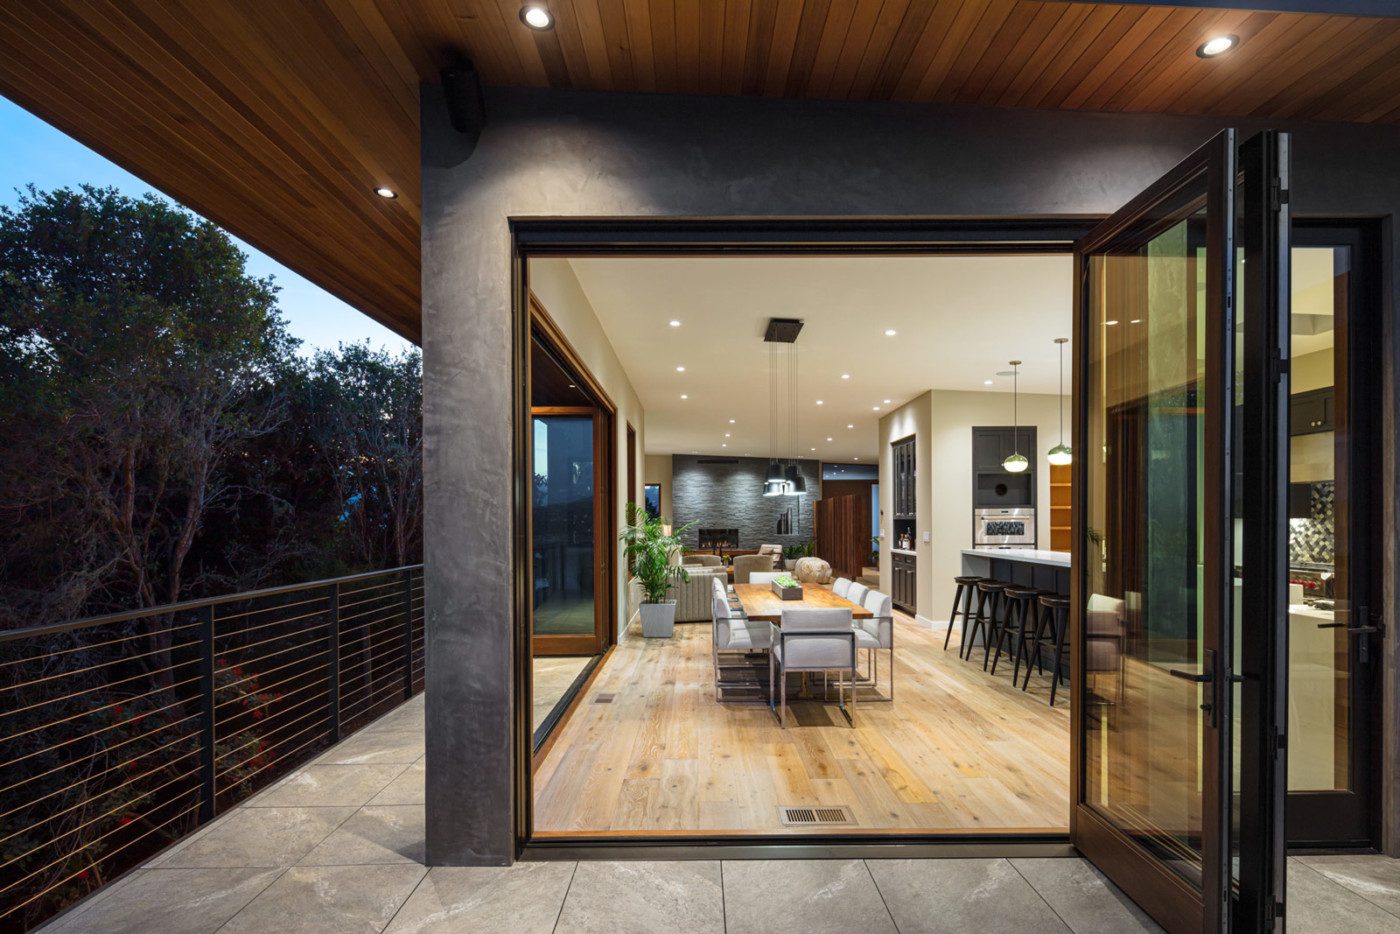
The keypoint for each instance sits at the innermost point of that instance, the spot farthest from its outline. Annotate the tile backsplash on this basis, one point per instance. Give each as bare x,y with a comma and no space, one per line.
1314,540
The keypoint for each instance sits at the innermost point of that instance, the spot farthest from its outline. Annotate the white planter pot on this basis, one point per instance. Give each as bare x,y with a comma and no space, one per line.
790,563
658,619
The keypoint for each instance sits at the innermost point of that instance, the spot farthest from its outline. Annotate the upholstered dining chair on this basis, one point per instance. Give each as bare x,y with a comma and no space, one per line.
877,633
812,639
763,577
856,593
841,586
733,633
704,561
744,565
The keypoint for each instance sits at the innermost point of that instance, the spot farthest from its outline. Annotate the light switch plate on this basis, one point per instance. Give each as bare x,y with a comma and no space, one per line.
926,538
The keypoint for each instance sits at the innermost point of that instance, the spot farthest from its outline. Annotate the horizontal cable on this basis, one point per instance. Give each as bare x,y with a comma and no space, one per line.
269,727
387,582
382,600
287,739
319,714
7,763
276,622
225,617
120,765
307,653
375,655
280,761
389,622
106,856
98,796
350,698
86,647
322,683
78,671
106,686
322,657
282,638
117,703
392,608
92,755
374,698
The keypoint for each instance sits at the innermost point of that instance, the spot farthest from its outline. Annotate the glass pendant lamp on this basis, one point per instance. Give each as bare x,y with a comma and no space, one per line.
1016,461
1060,454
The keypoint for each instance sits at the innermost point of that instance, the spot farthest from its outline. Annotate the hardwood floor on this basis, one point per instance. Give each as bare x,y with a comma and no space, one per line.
553,676
958,751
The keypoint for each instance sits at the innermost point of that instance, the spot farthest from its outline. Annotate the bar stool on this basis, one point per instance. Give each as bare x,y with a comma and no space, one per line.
1052,628
1019,624
984,622
964,596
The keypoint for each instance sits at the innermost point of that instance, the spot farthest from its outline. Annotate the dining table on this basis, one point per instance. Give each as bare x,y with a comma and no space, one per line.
761,602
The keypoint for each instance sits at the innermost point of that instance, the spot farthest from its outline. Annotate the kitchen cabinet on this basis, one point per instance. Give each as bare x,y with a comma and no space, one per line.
1312,412
904,581
991,446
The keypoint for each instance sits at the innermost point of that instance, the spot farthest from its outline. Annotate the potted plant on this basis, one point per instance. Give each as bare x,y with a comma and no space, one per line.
646,543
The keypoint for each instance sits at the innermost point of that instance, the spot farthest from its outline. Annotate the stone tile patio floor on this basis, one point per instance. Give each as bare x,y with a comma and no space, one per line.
338,846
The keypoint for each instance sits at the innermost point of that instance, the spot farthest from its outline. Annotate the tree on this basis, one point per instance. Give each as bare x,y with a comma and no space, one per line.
136,357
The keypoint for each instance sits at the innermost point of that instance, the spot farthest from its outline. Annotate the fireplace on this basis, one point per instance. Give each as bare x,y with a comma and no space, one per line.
711,539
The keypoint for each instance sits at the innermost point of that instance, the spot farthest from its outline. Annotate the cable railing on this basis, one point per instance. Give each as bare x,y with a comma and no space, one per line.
119,734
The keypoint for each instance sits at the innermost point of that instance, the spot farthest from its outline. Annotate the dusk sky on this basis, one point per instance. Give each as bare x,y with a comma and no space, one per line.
31,151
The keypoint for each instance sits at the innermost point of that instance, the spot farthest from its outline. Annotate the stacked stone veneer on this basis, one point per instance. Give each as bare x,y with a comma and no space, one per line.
722,493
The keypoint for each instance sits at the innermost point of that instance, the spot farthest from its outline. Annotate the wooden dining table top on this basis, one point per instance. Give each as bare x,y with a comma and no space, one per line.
760,602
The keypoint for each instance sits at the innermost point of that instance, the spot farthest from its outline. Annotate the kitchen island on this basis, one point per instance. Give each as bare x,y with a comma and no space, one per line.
1026,567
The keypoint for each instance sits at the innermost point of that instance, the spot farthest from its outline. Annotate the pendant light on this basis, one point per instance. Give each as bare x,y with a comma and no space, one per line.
773,482
796,485
1016,461
1060,454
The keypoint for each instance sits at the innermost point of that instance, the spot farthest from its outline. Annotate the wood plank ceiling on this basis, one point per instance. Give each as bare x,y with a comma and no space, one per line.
278,119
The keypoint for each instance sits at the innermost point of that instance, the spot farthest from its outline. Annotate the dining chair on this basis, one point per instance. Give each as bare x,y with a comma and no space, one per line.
812,639
877,633
857,593
841,586
734,633
744,565
763,577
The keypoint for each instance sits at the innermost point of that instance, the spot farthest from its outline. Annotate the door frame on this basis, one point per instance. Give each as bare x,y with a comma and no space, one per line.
564,237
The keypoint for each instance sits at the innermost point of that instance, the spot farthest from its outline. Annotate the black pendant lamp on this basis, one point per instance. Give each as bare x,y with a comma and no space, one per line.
773,482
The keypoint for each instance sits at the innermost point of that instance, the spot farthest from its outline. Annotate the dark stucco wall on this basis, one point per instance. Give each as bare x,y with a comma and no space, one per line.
573,153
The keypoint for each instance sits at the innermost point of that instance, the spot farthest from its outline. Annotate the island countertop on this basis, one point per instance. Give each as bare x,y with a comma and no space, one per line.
1059,559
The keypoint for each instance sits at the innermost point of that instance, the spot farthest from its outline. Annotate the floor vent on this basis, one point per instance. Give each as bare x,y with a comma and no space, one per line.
805,817
603,698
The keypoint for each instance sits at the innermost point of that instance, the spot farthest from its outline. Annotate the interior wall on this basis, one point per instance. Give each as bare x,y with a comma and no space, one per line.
941,422
657,469
558,290
716,492
583,154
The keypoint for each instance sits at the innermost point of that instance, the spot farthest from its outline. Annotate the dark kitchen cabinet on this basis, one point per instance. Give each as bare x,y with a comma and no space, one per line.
1312,412
903,582
905,500
991,446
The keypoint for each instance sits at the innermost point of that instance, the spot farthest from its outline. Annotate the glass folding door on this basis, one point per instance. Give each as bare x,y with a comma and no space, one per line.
1156,565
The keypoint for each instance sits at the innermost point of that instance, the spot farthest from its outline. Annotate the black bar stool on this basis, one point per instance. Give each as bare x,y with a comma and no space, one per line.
985,620
1051,629
964,596
1019,624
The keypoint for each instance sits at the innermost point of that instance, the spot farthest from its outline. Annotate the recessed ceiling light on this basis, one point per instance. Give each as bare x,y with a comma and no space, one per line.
383,192
887,402
855,458
675,323
726,434
731,421
1219,45
845,376
536,17
850,426
820,402
680,369
1110,323
813,449
828,439
986,382
723,445
874,408
1136,321
890,332
684,396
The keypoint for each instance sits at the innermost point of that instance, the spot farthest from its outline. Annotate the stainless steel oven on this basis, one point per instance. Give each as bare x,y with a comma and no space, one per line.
1000,527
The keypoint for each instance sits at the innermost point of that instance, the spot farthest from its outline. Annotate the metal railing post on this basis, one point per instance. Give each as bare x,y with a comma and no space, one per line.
407,633
206,732
333,701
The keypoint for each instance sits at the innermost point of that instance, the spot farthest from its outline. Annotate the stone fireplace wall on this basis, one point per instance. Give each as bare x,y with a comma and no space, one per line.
727,492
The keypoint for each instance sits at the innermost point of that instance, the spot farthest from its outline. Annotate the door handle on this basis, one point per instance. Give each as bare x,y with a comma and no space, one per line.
1363,645
1208,706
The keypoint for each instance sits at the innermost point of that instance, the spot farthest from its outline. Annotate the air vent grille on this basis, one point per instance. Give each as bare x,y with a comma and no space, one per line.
810,816
603,698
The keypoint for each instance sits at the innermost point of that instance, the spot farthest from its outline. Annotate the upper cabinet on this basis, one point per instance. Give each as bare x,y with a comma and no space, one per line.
1312,412
991,446
904,499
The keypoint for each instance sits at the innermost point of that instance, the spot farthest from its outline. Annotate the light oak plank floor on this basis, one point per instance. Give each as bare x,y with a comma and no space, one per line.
958,751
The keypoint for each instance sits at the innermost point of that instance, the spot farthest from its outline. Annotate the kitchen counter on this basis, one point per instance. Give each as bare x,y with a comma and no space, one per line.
904,551
1059,559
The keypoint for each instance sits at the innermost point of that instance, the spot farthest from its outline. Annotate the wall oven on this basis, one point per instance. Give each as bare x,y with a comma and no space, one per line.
1003,527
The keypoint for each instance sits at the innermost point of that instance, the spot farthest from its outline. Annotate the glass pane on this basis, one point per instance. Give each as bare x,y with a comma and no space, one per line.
1144,488
1319,714
563,525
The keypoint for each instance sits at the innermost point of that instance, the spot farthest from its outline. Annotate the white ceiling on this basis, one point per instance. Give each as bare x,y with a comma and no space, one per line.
959,320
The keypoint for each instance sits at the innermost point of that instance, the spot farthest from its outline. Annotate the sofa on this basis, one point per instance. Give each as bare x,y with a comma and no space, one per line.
692,597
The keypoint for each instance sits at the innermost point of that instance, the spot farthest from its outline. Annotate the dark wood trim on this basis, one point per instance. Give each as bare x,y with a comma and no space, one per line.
1171,901
558,341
